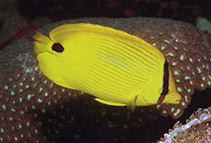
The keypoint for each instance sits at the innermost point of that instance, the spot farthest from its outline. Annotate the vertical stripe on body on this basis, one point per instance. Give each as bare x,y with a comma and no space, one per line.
165,83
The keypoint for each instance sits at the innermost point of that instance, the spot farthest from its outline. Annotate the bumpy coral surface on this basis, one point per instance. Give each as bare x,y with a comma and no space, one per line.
196,130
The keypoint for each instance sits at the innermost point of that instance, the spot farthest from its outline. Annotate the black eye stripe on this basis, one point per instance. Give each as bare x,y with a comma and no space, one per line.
57,47
165,83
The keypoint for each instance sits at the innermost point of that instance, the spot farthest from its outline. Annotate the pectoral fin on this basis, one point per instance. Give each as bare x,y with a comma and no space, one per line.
109,102
132,104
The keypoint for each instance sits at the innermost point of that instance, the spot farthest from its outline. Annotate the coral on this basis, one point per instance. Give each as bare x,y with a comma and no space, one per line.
18,14
196,130
175,9
204,25
12,22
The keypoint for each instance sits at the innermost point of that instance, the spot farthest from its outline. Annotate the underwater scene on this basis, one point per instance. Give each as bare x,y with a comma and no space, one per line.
105,71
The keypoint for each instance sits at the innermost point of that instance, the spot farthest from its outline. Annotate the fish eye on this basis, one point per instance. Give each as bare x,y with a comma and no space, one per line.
57,47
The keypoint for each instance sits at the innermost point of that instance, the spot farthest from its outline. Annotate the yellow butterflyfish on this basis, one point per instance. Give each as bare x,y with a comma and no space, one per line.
117,68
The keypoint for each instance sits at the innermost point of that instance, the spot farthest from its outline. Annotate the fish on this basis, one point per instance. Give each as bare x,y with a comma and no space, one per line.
118,68
34,109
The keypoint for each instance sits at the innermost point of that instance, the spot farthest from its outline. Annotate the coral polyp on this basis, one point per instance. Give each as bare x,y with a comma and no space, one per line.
196,130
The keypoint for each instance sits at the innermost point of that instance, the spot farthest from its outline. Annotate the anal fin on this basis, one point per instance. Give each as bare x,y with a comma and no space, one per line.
110,102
